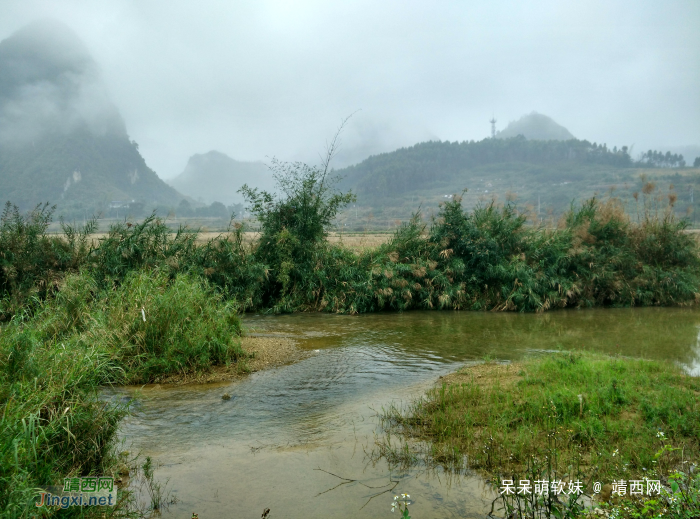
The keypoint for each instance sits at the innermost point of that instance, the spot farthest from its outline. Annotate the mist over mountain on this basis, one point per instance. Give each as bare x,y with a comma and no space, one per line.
216,177
49,82
62,140
536,126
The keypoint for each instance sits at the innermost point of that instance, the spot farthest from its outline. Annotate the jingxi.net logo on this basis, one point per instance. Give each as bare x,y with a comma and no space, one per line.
88,491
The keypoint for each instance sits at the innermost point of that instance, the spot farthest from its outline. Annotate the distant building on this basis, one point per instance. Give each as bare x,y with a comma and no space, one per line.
118,204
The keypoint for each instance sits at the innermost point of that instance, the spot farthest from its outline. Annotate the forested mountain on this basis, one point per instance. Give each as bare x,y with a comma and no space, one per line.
428,164
216,177
543,175
61,138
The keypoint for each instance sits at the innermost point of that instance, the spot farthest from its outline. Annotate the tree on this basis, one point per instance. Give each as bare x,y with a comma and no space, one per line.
184,208
696,163
218,210
296,221
307,203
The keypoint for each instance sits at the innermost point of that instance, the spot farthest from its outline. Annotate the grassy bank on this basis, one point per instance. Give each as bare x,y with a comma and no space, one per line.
55,360
570,417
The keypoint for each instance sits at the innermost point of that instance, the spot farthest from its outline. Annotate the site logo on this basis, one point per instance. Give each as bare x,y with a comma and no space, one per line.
546,487
88,491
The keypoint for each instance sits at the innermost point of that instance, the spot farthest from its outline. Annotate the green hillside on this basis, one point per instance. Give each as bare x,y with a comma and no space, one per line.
61,138
546,176
80,171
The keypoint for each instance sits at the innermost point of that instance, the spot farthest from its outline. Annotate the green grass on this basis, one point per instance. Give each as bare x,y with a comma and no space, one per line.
148,327
634,419
54,362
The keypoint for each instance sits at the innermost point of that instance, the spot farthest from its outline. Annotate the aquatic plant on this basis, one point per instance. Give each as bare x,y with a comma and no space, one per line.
154,487
401,503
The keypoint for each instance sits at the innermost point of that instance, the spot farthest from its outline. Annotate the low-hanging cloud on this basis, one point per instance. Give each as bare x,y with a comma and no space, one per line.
49,83
272,77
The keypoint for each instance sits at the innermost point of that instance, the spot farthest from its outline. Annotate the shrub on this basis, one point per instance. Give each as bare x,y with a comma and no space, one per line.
154,327
294,226
146,245
32,263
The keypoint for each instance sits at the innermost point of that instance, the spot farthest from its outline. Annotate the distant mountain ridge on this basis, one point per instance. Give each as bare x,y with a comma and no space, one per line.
431,164
544,176
62,140
216,177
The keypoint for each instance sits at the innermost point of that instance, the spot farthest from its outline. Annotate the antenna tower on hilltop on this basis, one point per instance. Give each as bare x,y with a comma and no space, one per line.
493,127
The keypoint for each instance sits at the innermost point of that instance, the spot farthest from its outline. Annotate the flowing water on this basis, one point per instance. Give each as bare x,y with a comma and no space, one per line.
288,435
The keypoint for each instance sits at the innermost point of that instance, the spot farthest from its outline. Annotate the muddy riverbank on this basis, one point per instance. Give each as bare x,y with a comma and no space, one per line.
267,352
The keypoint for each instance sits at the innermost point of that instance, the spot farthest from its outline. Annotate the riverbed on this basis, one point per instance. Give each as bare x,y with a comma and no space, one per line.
298,439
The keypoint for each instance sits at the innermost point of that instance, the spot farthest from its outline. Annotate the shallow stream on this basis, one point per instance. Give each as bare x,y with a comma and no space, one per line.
275,443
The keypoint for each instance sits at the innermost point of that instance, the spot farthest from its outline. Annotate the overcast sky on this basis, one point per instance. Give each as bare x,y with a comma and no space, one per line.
275,78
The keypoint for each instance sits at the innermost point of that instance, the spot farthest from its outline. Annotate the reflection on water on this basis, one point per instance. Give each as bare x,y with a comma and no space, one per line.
265,446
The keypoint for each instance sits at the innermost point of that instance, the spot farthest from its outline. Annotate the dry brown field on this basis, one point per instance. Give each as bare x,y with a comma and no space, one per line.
355,241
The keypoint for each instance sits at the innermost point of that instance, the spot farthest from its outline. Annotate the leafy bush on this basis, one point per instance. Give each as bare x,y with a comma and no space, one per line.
32,263
146,245
154,327
294,226
229,265
484,259
148,327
